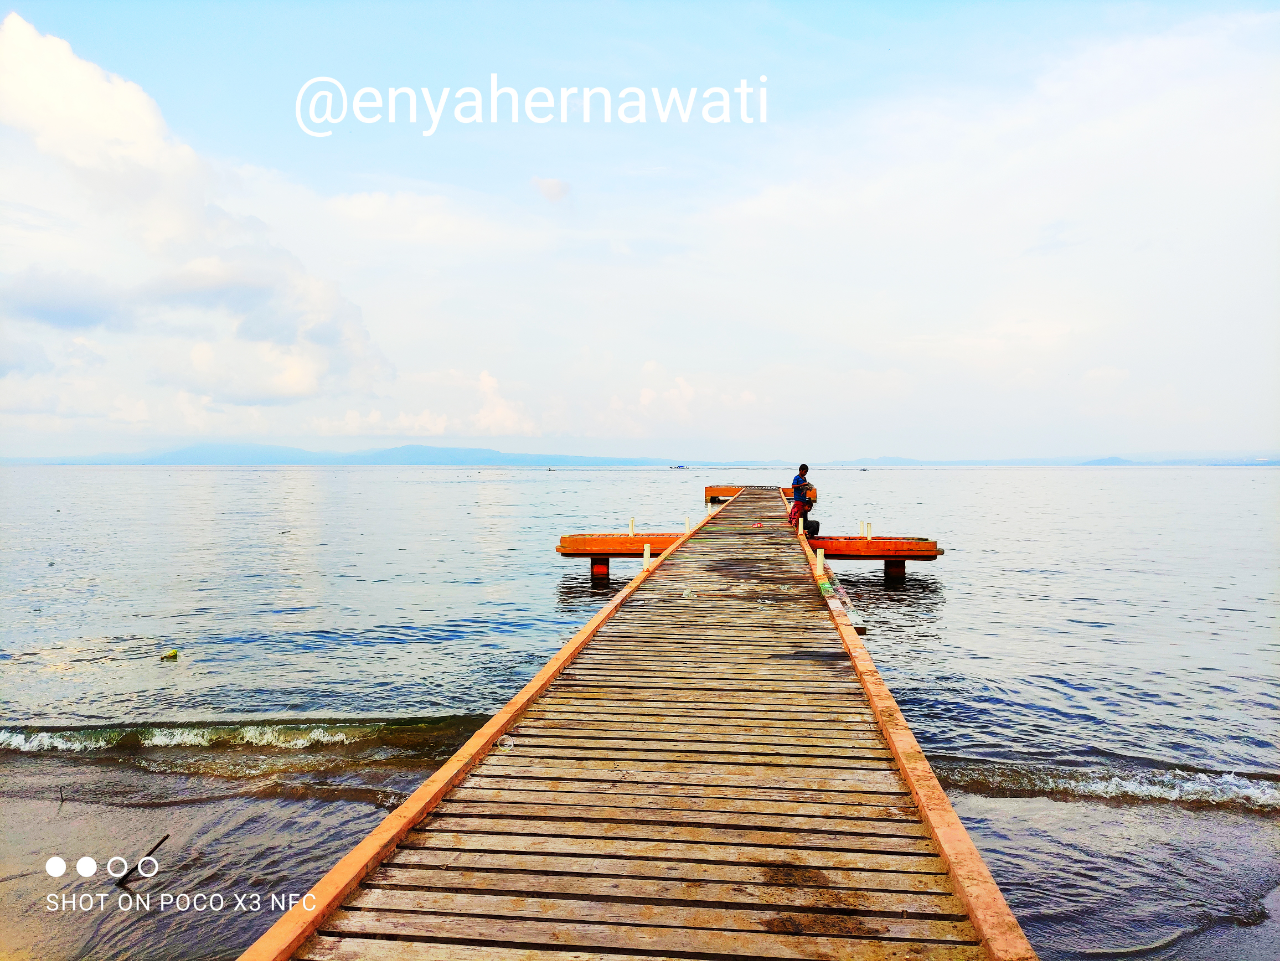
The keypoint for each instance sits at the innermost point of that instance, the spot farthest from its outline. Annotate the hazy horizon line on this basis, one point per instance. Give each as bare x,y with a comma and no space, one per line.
235,454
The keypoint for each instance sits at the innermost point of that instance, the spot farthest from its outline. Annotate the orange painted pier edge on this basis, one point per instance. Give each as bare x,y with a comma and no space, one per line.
285,936
988,911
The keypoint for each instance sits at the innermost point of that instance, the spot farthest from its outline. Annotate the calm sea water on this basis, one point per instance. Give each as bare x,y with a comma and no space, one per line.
1092,669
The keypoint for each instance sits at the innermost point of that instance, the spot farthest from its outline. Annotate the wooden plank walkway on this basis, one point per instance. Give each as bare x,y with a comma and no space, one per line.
711,769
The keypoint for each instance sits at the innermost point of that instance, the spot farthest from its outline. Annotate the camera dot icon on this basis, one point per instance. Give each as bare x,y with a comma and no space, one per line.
86,867
56,867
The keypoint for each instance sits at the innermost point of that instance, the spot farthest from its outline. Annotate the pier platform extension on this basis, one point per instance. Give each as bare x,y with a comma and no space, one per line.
894,551
711,768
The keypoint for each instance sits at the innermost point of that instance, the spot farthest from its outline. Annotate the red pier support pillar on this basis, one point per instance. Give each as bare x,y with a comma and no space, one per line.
895,571
599,568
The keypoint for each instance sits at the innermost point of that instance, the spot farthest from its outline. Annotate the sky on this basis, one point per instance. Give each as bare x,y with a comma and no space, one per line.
950,230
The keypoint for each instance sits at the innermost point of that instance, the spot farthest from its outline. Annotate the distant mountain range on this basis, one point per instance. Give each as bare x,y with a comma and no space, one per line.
1205,461
254,455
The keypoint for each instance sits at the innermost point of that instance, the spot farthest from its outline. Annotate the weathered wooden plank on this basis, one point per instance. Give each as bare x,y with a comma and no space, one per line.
529,749
680,800
835,691
862,773
793,921
742,747
748,712
838,681
725,647
830,662
817,858
537,805
819,723
595,867
781,691
639,937
752,702
710,649
607,725
803,665
765,679
804,654
846,797
731,722
544,881
848,840
693,775
324,948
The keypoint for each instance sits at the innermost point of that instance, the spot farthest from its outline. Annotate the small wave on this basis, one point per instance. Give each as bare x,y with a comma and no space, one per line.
1222,789
274,735
278,736
11,740
256,735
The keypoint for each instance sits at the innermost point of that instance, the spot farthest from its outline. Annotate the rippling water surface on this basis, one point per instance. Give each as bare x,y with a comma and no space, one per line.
1092,669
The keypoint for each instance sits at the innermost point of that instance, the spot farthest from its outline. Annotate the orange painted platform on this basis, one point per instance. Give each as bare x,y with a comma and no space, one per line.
836,548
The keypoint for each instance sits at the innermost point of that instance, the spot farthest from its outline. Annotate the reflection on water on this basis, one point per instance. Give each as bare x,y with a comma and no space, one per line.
579,596
1094,684
919,594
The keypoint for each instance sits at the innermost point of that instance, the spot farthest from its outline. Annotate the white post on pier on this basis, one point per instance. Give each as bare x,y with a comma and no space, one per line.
687,528
821,564
631,528
646,557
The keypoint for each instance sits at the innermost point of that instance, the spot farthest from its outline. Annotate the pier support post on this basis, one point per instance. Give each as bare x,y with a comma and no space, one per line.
895,571
599,568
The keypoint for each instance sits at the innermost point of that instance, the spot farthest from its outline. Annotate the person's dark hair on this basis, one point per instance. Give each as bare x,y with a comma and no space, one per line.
803,468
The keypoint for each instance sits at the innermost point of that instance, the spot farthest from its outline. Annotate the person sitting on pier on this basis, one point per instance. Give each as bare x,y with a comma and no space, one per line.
803,494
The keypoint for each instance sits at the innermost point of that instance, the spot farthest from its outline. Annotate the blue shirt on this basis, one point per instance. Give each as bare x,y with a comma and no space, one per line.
797,492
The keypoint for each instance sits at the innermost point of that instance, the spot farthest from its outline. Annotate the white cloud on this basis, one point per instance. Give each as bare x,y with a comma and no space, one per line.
1085,262
373,424
104,130
554,190
78,112
499,416
204,304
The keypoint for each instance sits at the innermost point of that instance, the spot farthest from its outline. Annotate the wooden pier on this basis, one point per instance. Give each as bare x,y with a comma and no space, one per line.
711,768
